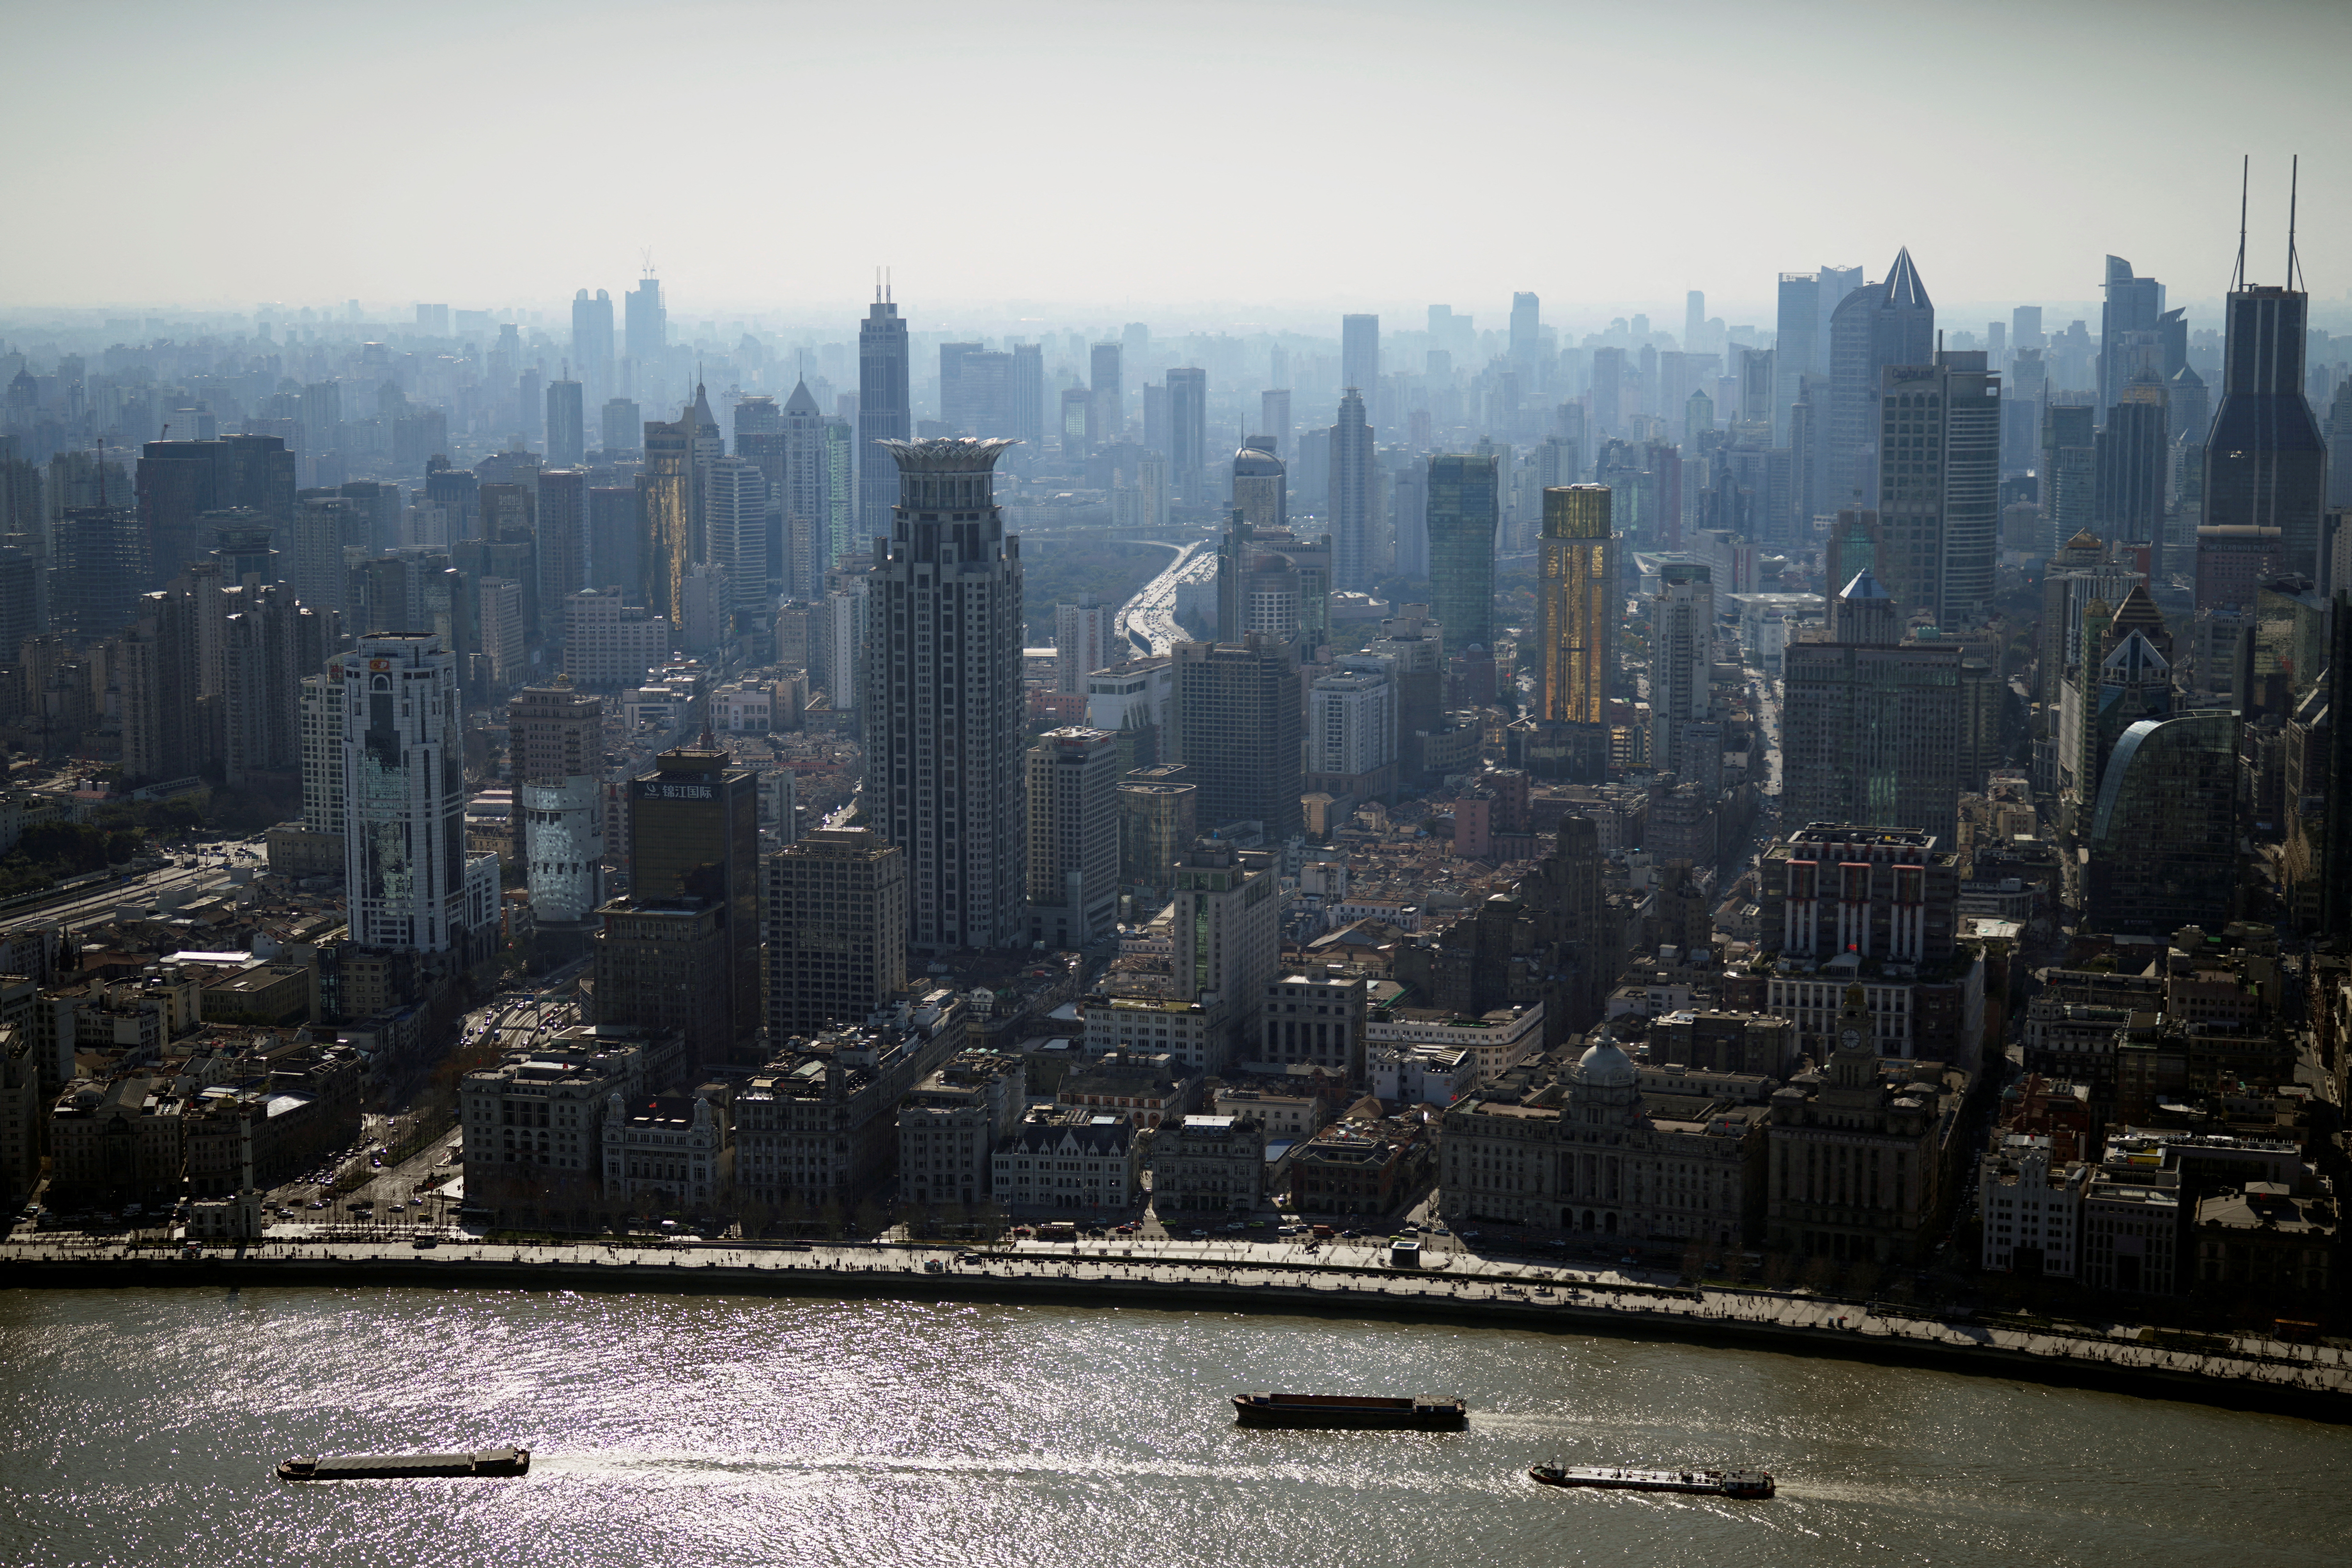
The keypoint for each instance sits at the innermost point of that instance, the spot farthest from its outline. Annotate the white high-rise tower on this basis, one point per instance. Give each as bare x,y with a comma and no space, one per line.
411,885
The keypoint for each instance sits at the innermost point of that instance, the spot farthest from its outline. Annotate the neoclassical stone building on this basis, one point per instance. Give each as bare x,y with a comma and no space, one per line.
1591,1152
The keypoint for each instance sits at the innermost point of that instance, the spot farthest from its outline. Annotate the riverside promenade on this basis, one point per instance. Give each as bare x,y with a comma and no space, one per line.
1340,1279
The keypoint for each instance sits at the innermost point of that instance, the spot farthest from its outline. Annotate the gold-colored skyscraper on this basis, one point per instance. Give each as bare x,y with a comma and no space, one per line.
1576,606
665,516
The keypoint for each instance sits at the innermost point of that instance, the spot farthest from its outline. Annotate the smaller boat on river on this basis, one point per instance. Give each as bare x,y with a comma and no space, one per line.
1419,1415
406,1467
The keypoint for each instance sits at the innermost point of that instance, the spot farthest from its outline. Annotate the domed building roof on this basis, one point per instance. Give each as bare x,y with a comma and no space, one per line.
1253,463
1604,1065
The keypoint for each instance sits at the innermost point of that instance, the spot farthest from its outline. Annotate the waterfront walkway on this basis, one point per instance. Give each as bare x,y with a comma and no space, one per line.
1236,1275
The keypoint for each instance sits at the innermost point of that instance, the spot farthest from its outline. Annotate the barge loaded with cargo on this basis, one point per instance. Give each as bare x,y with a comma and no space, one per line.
1417,1414
1710,1483
406,1467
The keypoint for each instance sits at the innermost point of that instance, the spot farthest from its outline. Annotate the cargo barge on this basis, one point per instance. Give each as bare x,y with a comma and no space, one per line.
1418,1414
406,1467
1745,1484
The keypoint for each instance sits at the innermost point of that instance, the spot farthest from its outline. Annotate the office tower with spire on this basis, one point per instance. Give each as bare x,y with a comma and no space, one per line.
567,428
2265,460
1577,607
884,412
802,503
1871,725
2130,332
1464,512
1938,464
1893,323
1354,472
411,884
1072,841
1360,352
1239,727
944,708
1188,435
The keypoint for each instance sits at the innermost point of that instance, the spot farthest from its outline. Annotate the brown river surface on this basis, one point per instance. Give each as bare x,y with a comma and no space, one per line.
140,1426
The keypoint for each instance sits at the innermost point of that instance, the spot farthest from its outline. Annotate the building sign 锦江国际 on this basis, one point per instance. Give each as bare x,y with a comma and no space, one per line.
653,789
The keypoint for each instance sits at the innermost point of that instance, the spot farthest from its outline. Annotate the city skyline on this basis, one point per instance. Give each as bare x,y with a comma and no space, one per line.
1304,73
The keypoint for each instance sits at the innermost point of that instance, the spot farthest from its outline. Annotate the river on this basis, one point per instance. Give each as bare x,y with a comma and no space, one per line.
139,1427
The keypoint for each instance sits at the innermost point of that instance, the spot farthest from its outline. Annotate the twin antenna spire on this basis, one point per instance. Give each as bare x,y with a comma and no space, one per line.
881,285
2293,184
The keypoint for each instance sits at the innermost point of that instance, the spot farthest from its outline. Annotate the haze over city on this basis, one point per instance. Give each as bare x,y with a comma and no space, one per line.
1192,782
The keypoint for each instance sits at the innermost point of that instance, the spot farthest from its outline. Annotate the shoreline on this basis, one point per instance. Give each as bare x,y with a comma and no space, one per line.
2317,1390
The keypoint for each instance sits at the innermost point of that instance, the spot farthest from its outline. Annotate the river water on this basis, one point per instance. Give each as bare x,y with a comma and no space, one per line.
140,1426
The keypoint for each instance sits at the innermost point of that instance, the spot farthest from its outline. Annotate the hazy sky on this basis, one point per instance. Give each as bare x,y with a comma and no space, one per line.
1274,157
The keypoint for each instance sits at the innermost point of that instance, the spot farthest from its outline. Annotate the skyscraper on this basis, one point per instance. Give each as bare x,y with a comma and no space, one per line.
1025,397
1106,404
411,885
1073,841
1526,332
556,756
2265,461
944,714
591,339
2129,327
1360,352
1464,509
1681,666
836,925
624,427
1576,606
1938,464
1871,329
1188,434
803,506
884,412
694,842
735,533
2163,842
2134,470
567,427
1796,345
1086,638
1354,471
647,324
1238,727
665,489
1274,419
560,545
1872,727
1261,485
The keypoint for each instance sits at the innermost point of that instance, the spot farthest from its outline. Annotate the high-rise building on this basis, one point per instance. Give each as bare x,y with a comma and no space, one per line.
321,720
1158,820
1188,435
1086,638
1871,726
1072,849
99,562
665,510
2129,327
1938,464
1796,351
801,503
1577,607
624,427
1024,396
1891,324
1525,342
1261,485
836,930
2265,461
884,412
1238,727
694,850
1360,352
1465,511
410,884
561,547
1354,473
1105,405
567,424
2133,470
591,341
647,321
1273,420
943,705
1228,948
556,755
735,533
1681,662
2163,842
